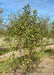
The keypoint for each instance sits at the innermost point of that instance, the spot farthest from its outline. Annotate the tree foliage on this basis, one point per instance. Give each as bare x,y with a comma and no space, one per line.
29,30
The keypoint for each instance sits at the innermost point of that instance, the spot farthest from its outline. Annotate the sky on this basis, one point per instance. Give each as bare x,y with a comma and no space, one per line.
43,7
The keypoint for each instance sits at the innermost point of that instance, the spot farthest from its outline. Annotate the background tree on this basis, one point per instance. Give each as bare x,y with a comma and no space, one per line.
51,31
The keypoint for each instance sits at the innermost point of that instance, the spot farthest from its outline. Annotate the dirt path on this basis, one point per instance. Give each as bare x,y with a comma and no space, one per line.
47,65
18,54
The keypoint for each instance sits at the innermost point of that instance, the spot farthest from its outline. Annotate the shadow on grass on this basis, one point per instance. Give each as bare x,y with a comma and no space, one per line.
4,51
49,52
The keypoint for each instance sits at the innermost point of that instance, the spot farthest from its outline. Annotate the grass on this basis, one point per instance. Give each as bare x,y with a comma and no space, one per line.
47,53
4,51
8,45
6,66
